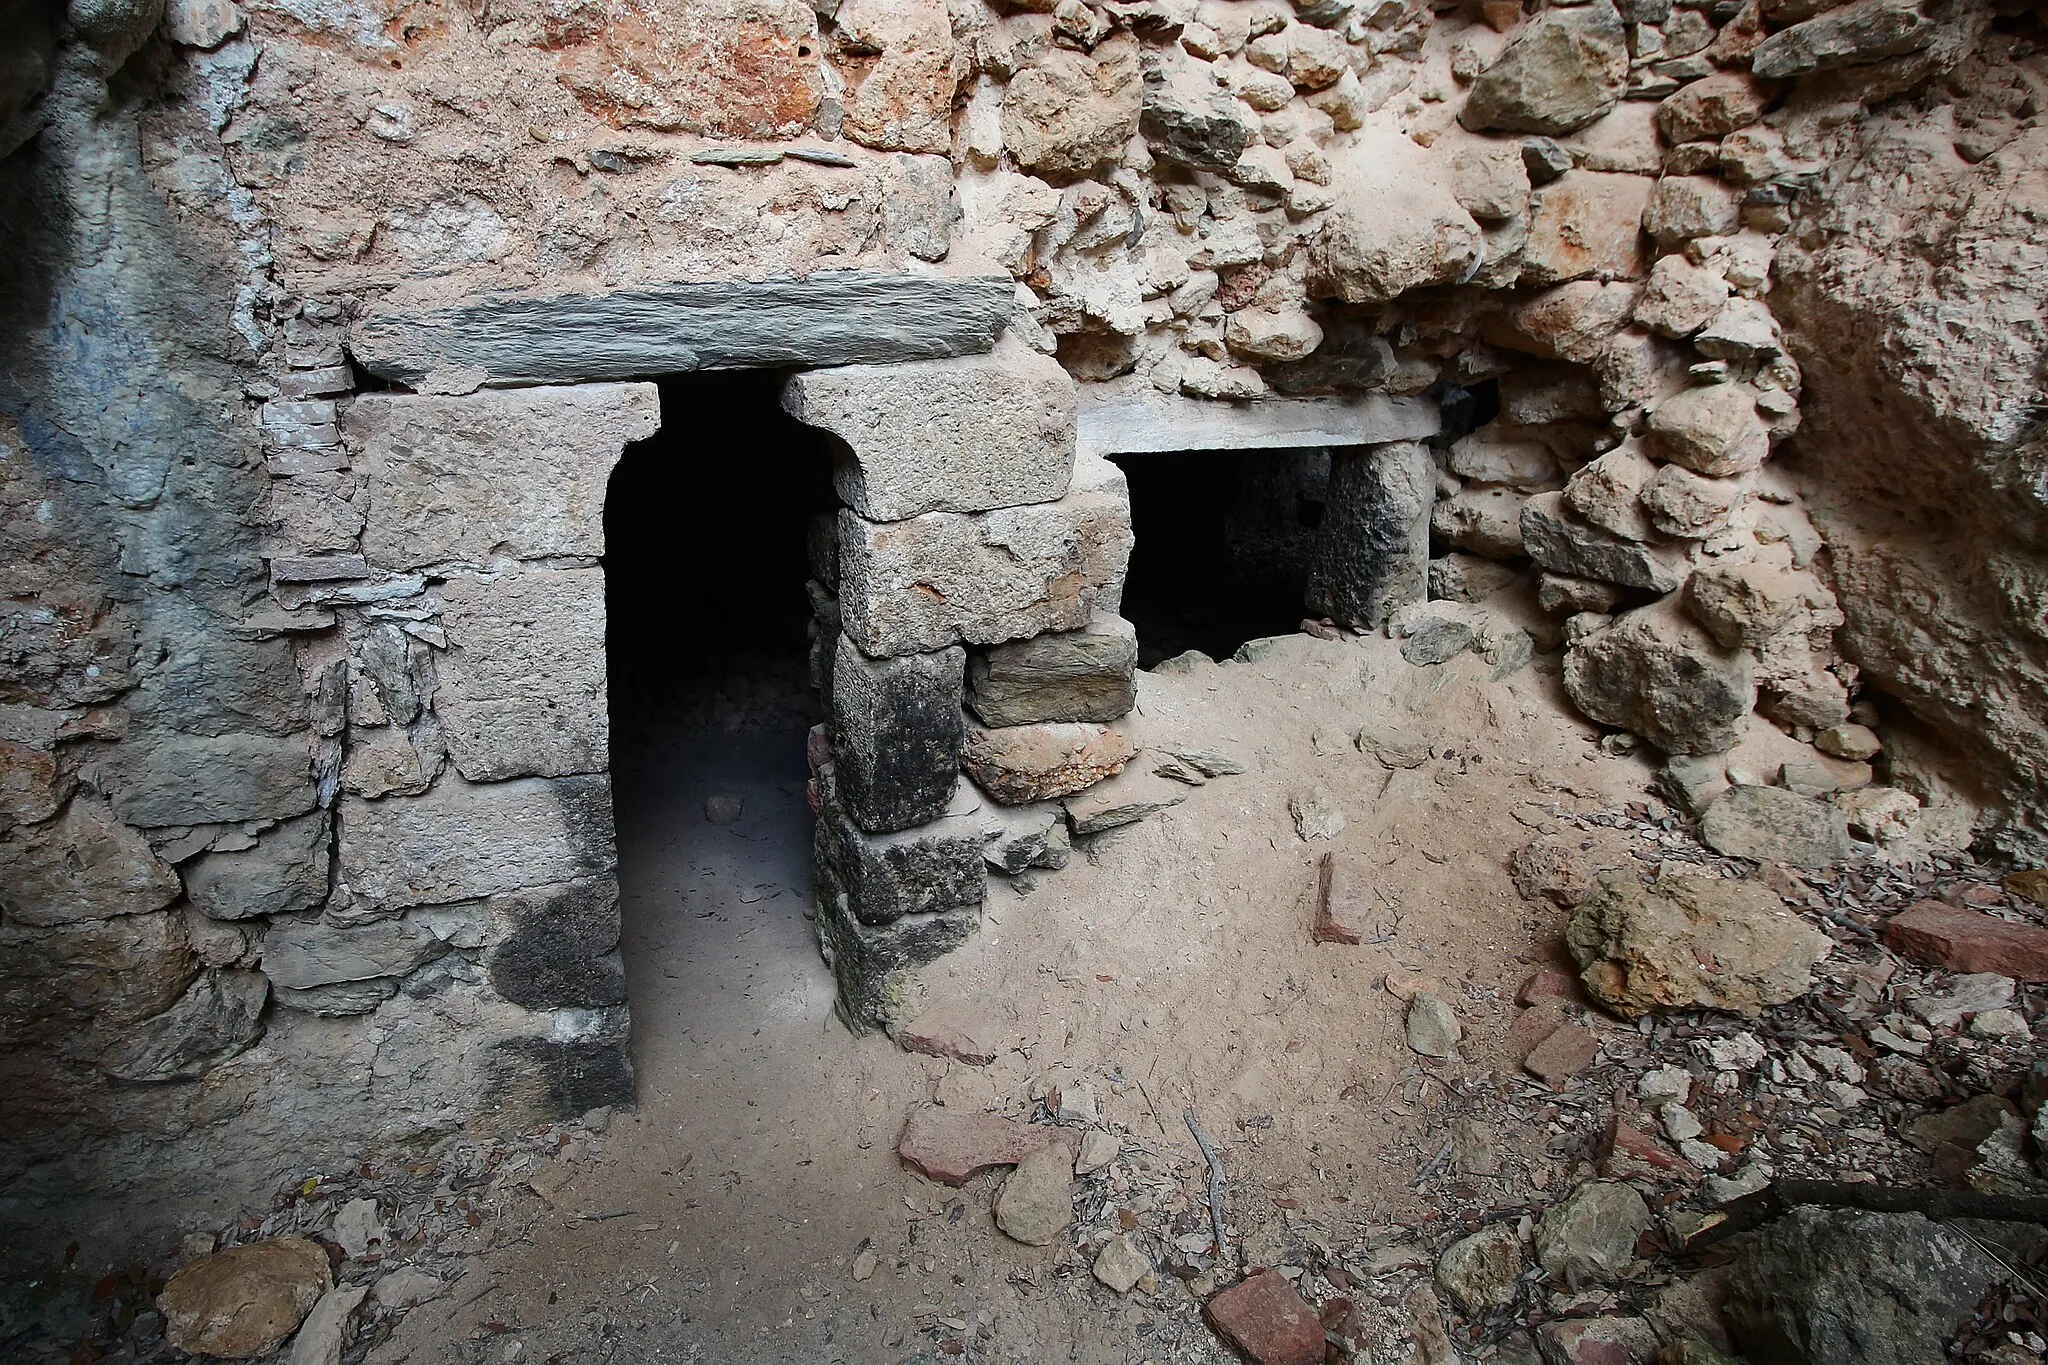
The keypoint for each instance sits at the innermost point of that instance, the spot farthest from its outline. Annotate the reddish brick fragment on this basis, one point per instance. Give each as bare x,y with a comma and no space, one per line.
1938,935
1269,1321
1628,1153
952,1148
1599,1341
1566,1052
1548,983
1343,900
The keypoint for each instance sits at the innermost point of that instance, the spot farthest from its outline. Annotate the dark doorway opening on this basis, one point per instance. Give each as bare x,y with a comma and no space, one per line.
706,633
1223,541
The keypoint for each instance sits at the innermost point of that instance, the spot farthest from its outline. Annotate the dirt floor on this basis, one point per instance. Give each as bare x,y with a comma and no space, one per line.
1168,967
753,1206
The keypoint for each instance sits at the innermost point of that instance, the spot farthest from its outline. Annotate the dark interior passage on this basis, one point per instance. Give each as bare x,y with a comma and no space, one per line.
1223,543
705,567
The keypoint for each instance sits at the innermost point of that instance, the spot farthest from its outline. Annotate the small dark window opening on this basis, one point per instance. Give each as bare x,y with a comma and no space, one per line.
1223,545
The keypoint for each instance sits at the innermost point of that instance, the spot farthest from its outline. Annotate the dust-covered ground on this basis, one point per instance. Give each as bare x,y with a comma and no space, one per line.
753,1206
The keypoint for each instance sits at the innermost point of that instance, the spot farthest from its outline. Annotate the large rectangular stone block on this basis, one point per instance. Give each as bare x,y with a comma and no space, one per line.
521,689
160,779
518,472
966,434
557,947
896,733
1067,675
874,963
884,877
847,317
463,840
1372,551
915,586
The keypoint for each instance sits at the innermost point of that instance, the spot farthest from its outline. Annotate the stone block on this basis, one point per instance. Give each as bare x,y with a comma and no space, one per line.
522,684
302,954
1395,225
463,840
219,1016
873,962
896,733
1123,800
1019,764
557,947
84,865
846,317
77,979
1266,1319
518,472
1344,904
1372,551
1069,675
967,434
1588,223
1024,837
1131,424
160,779
1939,935
881,878
940,579
1560,542
1658,674
1562,72
284,873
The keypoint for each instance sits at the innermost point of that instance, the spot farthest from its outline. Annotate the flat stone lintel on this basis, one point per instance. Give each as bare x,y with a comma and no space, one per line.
846,317
1132,424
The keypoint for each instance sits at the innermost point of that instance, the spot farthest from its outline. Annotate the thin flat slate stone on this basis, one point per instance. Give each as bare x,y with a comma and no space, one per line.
837,318
1132,425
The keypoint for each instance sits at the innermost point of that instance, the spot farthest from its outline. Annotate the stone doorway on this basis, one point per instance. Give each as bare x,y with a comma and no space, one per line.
706,529
1222,546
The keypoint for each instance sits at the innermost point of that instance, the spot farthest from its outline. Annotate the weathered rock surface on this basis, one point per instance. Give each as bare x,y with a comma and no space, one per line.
932,868
966,434
1069,113
1480,1271
1037,1200
1839,1285
1865,31
285,872
330,1327
84,865
1432,1026
1587,223
1372,555
1563,71
519,472
1266,1318
1486,521
1018,764
303,954
1746,600
1189,119
1712,429
1590,1234
942,578
1396,224
1690,942
1076,675
521,686
1773,825
831,318
896,734
1656,673
219,1017
243,1301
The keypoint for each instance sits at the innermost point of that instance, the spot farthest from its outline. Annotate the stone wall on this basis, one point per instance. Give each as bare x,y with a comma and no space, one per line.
326,322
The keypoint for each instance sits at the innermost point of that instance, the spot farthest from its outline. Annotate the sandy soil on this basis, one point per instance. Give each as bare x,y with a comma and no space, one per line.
1169,966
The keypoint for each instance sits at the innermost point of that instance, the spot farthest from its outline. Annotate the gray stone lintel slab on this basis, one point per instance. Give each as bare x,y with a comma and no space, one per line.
1133,424
844,317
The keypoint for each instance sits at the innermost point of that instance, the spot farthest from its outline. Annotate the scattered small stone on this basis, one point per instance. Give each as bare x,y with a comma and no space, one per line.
1120,1264
406,1287
243,1301
1209,762
1966,1125
329,1327
1037,1201
1436,640
1628,1153
1547,869
1973,993
1857,743
1405,986
724,808
1266,1318
1120,801
1664,1083
1393,749
1938,935
1598,1341
1590,1235
951,1147
1569,1049
1075,1103
1098,1148
1316,815
1721,1190
1481,1271
357,1227
1433,1028
864,1264
2002,1025
1343,900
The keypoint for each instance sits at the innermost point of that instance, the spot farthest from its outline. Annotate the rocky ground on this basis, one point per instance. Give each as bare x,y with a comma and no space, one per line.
1459,1137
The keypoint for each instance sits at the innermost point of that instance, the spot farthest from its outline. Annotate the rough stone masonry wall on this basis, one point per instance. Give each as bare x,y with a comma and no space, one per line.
304,822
